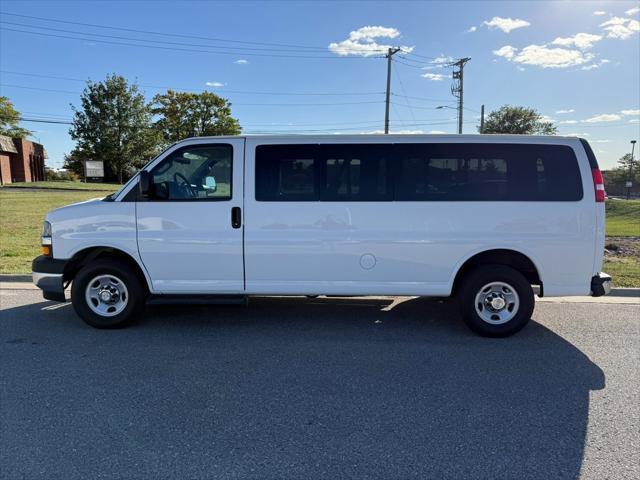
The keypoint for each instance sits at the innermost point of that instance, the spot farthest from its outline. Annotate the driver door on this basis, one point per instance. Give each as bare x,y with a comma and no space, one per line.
190,227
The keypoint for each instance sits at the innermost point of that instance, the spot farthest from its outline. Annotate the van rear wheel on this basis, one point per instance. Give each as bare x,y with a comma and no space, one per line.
107,294
496,300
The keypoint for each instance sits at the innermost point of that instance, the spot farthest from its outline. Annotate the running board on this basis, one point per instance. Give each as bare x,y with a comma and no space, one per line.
176,299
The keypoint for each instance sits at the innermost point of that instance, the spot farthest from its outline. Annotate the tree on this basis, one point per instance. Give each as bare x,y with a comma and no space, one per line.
10,119
518,120
629,168
74,161
183,114
114,125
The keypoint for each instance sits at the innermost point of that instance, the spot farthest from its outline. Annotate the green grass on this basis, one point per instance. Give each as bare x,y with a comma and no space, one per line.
22,213
624,271
67,185
21,217
623,218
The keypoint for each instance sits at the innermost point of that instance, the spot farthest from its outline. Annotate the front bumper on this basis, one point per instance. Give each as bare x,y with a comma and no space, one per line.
48,275
600,285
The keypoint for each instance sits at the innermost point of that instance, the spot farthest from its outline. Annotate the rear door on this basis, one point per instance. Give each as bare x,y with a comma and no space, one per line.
190,229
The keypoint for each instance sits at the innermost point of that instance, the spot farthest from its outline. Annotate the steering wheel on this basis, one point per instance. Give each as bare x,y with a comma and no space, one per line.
184,185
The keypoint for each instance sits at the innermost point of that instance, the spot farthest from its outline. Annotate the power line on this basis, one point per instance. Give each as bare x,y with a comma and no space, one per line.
405,93
240,50
158,47
417,124
160,87
331,104
425,99
176,35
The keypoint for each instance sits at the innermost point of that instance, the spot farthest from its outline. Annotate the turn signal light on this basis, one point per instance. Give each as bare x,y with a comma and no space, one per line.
46,250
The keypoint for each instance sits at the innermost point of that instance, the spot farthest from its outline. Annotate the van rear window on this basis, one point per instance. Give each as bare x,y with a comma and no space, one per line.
486,172
417,172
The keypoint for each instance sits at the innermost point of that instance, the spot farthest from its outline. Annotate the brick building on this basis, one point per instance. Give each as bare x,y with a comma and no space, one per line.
21,160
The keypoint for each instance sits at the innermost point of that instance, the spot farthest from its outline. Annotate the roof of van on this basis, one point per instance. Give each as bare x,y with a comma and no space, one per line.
363,136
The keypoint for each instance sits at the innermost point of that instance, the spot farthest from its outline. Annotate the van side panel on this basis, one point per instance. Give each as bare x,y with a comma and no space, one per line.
95,223
411,248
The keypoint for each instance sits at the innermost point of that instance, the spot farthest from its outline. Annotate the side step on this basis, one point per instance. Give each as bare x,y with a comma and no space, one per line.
177,299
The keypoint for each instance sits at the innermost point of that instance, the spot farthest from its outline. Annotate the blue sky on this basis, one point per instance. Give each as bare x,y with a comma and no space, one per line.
576,62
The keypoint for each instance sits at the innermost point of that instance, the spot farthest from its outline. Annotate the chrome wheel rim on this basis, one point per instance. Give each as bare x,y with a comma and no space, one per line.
106,295
497,303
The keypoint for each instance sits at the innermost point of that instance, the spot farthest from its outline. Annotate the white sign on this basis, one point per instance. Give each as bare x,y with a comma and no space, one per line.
94,168
628,184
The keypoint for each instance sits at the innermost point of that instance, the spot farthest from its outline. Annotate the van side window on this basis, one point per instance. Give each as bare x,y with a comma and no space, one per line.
201,172
355,173
417,172
486,172
286,173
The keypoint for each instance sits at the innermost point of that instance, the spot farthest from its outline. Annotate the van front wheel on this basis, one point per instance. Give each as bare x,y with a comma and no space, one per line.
496,300
107,294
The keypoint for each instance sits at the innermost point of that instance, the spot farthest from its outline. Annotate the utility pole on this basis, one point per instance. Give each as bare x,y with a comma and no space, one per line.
389,54
482,119
457,88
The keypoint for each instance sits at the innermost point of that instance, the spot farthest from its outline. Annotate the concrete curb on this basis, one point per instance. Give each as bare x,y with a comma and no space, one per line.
629,296
15,278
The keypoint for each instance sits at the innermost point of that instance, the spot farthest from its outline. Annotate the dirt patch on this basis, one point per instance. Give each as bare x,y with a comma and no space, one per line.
621,247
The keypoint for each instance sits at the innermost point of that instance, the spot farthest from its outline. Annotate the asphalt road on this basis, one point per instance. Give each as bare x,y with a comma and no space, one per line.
326,388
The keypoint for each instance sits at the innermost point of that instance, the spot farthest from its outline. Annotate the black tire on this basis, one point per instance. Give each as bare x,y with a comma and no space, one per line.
472,289
135,294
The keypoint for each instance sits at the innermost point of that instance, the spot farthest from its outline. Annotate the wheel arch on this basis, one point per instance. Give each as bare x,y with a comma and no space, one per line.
89,254
500,256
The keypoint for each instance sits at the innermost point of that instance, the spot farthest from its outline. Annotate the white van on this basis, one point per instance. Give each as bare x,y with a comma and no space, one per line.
213,219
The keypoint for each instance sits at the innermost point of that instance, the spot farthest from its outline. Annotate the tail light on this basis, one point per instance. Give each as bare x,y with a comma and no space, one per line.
598,185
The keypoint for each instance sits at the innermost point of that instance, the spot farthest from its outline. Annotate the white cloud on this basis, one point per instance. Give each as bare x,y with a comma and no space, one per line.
434,77
621,28
576,135
630,112
595,65
599,13
632,11
545,57
439,62
603,117
472,29
580,40
507,51
567,122
214,84
241,61
442,59
600,141
437,132
505,24
560,112
634,120
362,42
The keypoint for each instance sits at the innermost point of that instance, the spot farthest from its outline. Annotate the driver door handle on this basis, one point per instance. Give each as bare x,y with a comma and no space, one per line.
236,217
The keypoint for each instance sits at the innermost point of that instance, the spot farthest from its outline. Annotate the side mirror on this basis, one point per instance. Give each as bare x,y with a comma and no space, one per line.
144,184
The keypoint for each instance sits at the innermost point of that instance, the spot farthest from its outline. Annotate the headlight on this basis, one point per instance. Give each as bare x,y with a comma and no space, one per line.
46,229
45,240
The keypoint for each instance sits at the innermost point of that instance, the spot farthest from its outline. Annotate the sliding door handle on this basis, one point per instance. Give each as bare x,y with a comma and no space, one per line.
236,217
